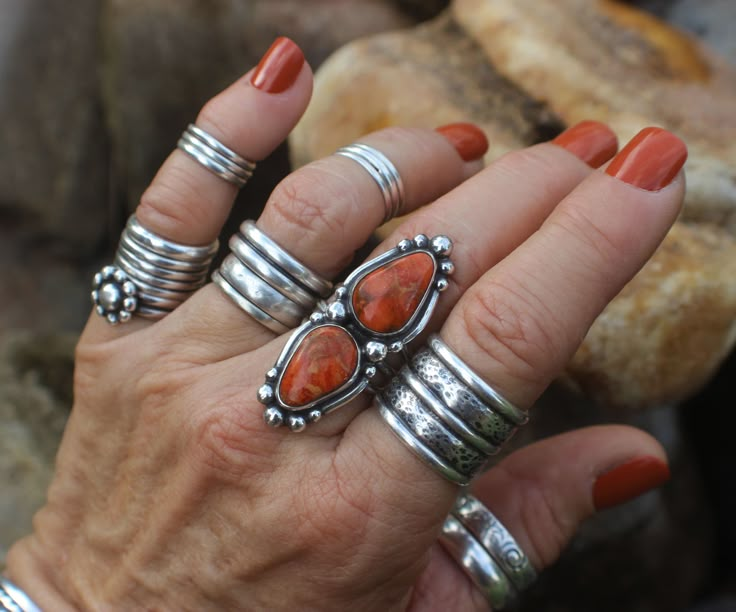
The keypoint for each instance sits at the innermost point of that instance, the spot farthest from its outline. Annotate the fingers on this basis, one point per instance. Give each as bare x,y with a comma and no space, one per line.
188,204
544,492
326,210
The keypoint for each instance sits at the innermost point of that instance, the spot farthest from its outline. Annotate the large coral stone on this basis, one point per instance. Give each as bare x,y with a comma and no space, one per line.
323,362
387,298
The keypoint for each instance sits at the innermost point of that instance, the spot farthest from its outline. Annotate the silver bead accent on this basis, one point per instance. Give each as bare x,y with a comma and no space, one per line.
265,394
273,417
441,245
376,351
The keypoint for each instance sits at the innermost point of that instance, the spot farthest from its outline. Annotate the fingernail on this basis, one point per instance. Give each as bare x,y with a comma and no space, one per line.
279,67
629,480
651,160
592,141
468,139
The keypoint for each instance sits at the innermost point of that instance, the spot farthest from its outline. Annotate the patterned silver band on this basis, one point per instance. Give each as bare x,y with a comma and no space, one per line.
13,599
486,552
215,156
446,414
382,171
267,282
151,275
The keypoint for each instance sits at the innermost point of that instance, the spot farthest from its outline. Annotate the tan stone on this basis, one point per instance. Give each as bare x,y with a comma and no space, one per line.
605,60
665,334
428,76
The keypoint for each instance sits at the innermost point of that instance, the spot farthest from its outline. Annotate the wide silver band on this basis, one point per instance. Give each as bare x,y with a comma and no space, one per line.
13,599
486,551
151,275
267,282
215,156
446,414
383,172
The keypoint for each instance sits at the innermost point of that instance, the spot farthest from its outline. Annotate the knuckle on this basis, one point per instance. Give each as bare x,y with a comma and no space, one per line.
514,328
224,443
313,202
175,200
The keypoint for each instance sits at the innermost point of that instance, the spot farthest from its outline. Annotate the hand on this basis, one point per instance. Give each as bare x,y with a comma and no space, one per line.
170,491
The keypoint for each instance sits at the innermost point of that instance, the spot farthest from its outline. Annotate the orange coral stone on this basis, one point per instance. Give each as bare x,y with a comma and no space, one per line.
386,299
324,361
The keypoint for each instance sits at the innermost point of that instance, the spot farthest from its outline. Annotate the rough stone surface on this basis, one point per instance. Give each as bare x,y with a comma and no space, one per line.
666,333
429,76
605,60
35,399
53,147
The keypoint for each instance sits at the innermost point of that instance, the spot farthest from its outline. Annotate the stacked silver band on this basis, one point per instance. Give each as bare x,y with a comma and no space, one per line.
215,156
486,552
382,171
267,282
13,599
444,412
151,275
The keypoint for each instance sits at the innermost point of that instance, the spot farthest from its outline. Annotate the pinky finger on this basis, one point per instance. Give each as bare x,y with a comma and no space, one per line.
542,494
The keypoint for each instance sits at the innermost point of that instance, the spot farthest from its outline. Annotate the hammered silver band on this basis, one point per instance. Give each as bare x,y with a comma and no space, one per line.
13,599
446,414
151,275
382,171
268,283
486,551
215,156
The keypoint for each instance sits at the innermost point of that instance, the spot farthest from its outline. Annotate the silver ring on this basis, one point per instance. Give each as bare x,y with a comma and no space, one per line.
268,283
13,599
215,156
382,171
151,275
283,259
443,419
486,551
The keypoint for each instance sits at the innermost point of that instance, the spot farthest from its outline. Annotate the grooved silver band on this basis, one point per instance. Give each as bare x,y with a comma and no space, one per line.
486,551
215,156
451,425
382,171
151,275
13,599
268,283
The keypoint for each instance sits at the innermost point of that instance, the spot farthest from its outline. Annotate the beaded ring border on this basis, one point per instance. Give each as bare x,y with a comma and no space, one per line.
347,338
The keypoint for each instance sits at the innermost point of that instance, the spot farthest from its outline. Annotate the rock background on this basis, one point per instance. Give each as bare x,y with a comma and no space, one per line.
94,94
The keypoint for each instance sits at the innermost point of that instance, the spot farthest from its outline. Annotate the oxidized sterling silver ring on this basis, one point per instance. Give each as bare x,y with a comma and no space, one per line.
382,171
215,156
486,551
381,307
151,275
446,414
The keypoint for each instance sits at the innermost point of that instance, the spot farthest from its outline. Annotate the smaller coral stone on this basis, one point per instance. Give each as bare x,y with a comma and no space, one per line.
387,298
322,363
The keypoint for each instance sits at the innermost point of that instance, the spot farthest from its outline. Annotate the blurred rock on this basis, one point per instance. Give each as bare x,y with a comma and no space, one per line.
428,76
669,329
54,165
164,59
35,399
605,60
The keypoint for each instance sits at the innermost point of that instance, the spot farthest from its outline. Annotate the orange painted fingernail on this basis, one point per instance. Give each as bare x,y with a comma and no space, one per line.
629,480
592,141
651,160
467,138
279,67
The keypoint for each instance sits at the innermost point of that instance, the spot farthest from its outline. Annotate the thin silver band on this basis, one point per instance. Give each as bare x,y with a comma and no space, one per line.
487,393
247,306
168,248
477,563
284,260
496,539
215,156
13,599
382,171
